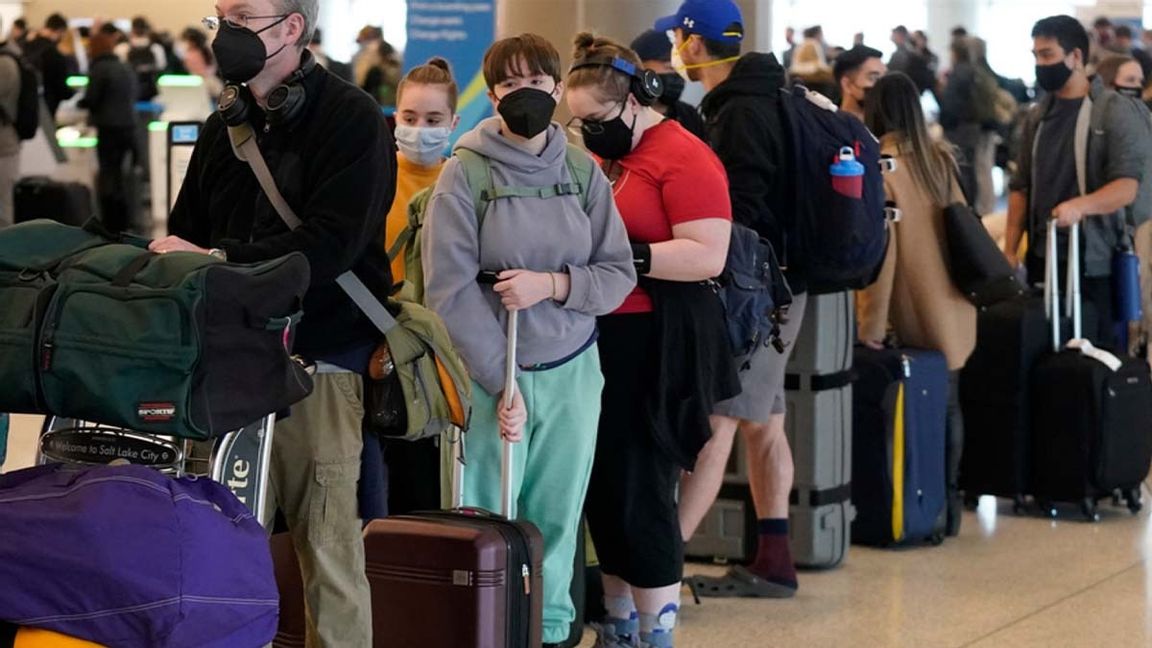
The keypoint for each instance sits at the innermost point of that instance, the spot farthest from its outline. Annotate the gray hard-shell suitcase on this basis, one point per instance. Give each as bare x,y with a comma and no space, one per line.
819,430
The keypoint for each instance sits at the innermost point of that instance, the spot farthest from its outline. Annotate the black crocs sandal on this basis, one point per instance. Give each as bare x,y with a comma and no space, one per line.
739,583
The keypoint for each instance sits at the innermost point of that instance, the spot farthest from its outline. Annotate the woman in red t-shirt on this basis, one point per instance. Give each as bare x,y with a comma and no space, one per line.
664,353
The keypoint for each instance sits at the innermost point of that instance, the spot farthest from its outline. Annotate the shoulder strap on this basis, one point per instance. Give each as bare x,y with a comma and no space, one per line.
581,167
479,177
416,207
246,149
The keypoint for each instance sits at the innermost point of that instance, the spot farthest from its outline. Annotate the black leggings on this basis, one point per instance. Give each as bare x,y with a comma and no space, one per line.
631,505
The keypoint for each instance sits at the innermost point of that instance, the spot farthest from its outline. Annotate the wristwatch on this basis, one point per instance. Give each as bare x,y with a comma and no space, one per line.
218,253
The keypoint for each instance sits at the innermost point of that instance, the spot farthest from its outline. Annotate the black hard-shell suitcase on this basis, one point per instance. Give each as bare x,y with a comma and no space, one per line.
994,388
1091,415
65,202
899,430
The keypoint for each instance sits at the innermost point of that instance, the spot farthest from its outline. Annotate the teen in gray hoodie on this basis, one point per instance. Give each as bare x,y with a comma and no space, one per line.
563,258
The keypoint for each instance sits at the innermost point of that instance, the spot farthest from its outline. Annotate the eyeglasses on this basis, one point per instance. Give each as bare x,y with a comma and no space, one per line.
240,21
578,126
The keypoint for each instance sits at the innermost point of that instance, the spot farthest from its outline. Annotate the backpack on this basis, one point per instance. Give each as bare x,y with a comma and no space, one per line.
479,176
143,62
837,241
27,119
755,293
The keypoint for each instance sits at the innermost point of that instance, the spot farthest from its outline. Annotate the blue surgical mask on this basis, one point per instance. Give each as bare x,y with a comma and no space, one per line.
422,145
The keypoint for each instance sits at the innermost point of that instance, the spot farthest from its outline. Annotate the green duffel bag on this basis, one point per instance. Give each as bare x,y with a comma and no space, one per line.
179,344
30,254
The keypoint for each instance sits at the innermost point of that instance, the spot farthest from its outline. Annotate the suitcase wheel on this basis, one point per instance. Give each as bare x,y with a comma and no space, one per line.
937,539
1019,505
1048,508
1132,498
1088,508
971,502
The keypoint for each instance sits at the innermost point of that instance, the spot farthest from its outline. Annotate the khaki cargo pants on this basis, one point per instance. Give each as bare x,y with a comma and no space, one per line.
315,470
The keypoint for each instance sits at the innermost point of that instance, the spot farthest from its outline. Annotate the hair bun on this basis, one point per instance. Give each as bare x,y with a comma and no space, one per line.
584,42
440,62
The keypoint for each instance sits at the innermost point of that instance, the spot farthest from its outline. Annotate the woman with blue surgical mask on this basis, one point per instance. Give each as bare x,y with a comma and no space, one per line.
425,118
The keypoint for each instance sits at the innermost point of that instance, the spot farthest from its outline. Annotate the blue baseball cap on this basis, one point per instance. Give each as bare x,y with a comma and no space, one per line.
708,18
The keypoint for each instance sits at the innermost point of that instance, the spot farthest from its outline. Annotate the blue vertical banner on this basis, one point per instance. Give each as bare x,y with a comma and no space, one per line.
459,31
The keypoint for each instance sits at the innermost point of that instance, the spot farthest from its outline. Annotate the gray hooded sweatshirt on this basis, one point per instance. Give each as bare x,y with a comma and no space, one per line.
538,234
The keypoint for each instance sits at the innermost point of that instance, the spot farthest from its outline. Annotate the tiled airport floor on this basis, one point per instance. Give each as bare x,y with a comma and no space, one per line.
1006,582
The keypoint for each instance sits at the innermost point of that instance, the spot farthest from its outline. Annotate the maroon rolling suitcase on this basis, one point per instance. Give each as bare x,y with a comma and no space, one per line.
462,578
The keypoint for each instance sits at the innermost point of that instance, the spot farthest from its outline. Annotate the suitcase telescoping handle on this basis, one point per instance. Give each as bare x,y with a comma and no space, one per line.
1073,307
457,443
510,367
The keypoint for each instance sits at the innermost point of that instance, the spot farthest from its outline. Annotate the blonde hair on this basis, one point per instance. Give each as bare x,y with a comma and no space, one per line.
609,82
436,71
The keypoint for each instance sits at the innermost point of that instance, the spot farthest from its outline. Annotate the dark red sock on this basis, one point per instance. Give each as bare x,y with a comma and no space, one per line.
773,556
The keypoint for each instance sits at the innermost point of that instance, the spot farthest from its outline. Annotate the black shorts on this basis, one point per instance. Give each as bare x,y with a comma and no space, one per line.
631,505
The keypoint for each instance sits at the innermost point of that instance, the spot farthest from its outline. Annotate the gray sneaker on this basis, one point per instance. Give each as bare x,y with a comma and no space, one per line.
617,633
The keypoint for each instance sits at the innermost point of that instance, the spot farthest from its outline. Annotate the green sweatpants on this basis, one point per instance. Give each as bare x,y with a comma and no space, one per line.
550,468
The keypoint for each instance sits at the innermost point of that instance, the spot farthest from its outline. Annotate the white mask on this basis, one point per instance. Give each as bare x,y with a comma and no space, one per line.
422,145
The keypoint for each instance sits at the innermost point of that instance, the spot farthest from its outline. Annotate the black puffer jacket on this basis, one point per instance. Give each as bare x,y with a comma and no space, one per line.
111,94
746,128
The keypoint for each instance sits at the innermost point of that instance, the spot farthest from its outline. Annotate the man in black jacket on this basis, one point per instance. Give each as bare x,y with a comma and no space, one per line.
43,54
745,127
334,161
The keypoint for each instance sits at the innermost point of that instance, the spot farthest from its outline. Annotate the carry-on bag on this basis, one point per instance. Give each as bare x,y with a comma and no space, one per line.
461,578
158,343
125,556
819,428
40,197
1091,410
900,403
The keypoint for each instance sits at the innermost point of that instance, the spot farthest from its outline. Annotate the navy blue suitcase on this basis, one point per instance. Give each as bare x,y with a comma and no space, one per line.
899,422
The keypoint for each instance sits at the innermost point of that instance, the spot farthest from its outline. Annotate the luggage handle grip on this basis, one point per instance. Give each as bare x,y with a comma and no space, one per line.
1073,305
124,278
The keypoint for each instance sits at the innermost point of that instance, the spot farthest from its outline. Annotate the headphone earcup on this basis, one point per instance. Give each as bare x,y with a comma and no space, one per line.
234,105
647,87
285,103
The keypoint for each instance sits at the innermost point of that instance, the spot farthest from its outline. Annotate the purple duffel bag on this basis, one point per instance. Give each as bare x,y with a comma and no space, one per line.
124,556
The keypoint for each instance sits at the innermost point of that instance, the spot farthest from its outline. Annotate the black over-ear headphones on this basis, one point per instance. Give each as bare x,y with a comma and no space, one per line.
285,103
646,85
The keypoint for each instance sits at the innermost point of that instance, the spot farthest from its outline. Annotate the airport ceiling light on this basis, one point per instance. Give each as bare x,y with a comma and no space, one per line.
180,81
158,126
165,81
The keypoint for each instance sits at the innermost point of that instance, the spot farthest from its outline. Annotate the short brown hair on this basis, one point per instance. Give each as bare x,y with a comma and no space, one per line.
502,60
436,71
611,83
101,43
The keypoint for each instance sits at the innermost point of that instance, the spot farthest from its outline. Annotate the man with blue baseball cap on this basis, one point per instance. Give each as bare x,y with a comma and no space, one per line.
746,128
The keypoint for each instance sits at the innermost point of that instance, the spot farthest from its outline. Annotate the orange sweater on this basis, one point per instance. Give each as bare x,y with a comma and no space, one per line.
410,180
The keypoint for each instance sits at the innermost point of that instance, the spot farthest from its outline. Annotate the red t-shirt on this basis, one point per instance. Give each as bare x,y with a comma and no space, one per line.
670,178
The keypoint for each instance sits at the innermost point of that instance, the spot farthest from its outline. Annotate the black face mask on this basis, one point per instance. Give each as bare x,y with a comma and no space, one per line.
1135,93
527,111
240,52
611,139
673,88
1051,78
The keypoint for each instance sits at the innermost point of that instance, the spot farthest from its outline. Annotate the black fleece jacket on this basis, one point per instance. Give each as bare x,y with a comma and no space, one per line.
747,131
336,166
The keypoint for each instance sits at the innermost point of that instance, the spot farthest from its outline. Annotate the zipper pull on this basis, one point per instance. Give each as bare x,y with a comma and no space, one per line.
46,357
524,571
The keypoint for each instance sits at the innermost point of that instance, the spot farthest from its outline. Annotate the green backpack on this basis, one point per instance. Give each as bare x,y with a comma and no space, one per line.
484,190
